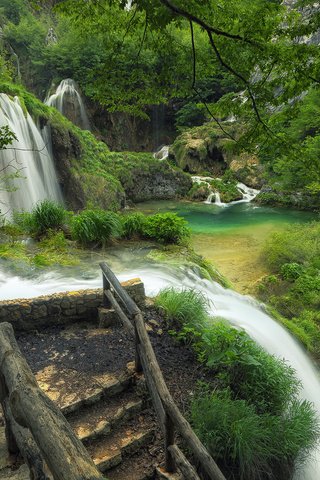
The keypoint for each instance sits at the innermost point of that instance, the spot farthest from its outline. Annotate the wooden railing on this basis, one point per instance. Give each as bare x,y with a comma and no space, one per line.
170,418
34,425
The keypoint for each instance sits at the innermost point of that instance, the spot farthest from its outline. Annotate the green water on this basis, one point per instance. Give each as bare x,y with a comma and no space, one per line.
233,237
210,219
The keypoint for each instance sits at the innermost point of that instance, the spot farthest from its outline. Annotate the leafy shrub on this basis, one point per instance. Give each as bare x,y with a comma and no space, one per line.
24,221
250,372
252,422
166,228
296,244
199,191
291,271
254,446
183,308
95,226
47,215
133,225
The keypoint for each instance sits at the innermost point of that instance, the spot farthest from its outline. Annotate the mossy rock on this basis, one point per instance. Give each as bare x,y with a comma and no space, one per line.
303,200
203,148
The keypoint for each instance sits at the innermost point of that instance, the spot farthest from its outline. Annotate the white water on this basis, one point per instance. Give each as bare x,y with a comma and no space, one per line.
29,155
248,194
241,311
163,153
68,101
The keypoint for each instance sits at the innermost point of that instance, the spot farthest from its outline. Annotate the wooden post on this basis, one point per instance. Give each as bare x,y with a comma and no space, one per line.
11,442
138,363
63,452
105,287
168,442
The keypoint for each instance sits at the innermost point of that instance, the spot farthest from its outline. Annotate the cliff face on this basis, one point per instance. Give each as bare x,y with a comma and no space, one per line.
124,132
65,148
91,175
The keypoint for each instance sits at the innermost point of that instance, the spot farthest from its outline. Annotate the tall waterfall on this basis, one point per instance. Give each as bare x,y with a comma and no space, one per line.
28,156
68,101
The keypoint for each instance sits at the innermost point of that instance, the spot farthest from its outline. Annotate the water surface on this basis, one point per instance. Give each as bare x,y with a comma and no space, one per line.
232,237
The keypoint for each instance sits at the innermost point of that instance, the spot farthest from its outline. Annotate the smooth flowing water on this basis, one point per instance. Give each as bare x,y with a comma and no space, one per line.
29,157
68,101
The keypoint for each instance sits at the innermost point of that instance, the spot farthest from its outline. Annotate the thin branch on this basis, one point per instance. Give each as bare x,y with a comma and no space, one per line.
143,36
241,77
203,24
194,62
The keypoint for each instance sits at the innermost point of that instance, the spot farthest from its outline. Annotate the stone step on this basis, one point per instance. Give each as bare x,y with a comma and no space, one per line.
108,386
98,419
139,466
110,450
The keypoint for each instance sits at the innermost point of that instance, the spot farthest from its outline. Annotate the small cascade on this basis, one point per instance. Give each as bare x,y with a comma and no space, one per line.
248,194
29,157
68,101
211,196
163,153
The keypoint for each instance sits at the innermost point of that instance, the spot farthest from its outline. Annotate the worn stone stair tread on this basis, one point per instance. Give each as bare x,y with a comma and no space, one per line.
106,386
99,418
139,466
110,450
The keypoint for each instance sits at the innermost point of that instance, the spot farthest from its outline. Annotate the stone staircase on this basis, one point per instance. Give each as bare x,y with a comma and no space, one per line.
109,411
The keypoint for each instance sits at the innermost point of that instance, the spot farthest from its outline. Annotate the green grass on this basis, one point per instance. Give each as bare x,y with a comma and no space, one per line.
95,227
182,308
251,419
252,446
293,287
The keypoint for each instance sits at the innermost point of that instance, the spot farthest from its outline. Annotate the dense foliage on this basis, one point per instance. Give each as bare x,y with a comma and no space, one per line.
95,227
251,419
293,287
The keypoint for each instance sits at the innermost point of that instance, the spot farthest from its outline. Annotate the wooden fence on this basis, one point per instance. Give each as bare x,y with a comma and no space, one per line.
170,418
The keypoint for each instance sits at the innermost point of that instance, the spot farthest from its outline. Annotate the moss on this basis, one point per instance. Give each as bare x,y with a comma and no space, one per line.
54,250
202,148
199,191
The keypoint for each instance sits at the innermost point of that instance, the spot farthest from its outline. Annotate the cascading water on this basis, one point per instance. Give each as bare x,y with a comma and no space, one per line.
248,194
28,156
241,311
68,101
163,153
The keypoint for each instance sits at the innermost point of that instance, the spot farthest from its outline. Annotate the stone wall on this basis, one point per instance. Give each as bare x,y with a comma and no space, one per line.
61,308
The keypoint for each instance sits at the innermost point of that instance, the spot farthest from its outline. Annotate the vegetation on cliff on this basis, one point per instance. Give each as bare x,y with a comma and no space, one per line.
293,286
251,419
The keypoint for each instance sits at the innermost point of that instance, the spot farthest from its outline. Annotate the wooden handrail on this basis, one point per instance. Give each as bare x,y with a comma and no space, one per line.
49,435
169,415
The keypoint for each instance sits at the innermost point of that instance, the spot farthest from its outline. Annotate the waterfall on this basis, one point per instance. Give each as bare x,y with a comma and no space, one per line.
28,156
68,101
162,153
248,194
